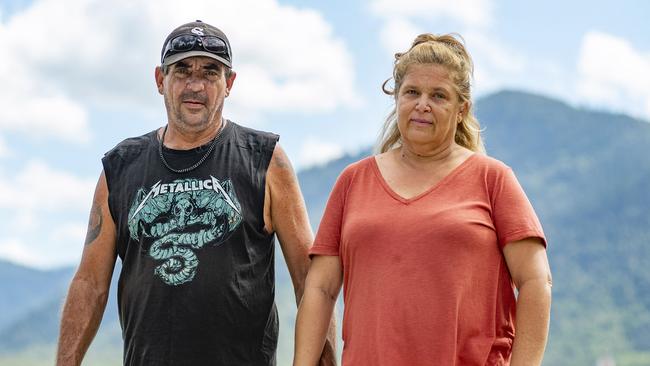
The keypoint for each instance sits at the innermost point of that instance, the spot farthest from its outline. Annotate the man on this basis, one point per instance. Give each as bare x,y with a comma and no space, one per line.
191,210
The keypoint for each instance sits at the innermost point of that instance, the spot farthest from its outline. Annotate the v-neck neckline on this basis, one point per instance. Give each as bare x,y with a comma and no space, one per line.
427,191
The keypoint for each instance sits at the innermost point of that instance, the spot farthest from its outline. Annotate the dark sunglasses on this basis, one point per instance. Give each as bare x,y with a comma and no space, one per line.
187,42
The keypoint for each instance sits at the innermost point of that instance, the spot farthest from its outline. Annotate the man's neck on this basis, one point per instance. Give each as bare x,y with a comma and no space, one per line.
180,139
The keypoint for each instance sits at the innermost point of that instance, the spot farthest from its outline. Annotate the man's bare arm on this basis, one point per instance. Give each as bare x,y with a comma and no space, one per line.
285,213
88,293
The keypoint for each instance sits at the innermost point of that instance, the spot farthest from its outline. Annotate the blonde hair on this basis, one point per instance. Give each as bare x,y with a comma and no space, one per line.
446,50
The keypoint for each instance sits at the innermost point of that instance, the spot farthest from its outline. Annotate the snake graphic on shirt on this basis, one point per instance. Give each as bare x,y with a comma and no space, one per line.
181,218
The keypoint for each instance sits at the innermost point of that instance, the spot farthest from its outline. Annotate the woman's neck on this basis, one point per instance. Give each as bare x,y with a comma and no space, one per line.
420,158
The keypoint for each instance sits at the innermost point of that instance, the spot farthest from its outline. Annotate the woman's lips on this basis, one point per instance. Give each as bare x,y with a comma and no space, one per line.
421,121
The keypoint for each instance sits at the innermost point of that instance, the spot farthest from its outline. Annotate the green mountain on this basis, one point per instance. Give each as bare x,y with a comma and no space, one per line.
587,174
25,289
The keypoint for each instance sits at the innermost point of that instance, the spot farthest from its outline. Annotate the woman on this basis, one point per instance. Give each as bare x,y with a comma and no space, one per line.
429,237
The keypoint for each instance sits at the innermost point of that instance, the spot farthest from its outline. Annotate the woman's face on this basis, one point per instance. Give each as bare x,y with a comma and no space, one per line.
428,107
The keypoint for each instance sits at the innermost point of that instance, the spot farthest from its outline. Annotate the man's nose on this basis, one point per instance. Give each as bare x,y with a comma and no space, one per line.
195,83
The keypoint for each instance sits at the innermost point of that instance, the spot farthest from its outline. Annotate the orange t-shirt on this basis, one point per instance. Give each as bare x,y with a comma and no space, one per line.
424,279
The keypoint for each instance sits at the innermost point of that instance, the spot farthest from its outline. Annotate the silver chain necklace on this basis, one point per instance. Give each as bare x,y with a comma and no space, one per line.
198,163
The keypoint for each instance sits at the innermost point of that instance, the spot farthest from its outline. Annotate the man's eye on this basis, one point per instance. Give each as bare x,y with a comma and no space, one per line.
440,96
182,71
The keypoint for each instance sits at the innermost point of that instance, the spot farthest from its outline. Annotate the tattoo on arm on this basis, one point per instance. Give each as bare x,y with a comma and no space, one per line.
94,223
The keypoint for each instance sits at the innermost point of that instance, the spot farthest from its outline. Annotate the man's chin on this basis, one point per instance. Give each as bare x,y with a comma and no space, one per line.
194,120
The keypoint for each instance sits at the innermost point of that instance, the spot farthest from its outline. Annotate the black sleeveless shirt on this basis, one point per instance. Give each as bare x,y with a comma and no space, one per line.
197,283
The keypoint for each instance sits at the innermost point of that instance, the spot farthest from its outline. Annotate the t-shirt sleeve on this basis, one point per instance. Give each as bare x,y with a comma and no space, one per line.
328,237
513,215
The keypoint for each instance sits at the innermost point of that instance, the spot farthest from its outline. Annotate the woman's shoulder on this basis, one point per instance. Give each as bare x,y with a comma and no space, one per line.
491,170
360,165
489,163
363,163
351,173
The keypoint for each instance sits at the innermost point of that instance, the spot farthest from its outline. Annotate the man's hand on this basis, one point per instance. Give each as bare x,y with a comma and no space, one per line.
328,358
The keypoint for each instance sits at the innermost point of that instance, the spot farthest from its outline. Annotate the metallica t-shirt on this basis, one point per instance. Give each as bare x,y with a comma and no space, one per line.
197,279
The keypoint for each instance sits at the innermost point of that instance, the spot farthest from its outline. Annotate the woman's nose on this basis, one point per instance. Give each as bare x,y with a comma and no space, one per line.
422,105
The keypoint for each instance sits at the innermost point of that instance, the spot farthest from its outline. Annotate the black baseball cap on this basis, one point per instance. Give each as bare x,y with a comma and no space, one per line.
208,41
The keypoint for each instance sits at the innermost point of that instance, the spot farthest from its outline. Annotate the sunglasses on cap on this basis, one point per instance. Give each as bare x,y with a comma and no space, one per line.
188,42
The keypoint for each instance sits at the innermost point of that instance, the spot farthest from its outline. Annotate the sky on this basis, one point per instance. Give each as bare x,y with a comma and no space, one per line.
77,77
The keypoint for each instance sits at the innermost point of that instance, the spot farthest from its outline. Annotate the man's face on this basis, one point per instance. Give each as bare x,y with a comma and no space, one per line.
194,90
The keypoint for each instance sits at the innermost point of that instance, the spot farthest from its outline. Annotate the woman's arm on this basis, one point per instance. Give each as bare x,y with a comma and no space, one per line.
529,269
315,311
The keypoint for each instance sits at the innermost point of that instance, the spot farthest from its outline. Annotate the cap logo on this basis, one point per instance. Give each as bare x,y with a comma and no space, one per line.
198,31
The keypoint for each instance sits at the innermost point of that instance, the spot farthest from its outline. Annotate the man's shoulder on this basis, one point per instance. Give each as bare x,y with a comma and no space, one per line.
247,136
131,146
248,131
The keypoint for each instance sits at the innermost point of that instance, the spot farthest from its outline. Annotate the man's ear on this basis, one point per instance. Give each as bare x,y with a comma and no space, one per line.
159,79
230,81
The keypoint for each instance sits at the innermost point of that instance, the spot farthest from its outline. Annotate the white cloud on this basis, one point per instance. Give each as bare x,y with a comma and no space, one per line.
316,152
71,232
474,13
398,33
44,256
39,188
42,211
16,251
496,64
29,103
65,59
614,74
22,220
43,116
4,149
